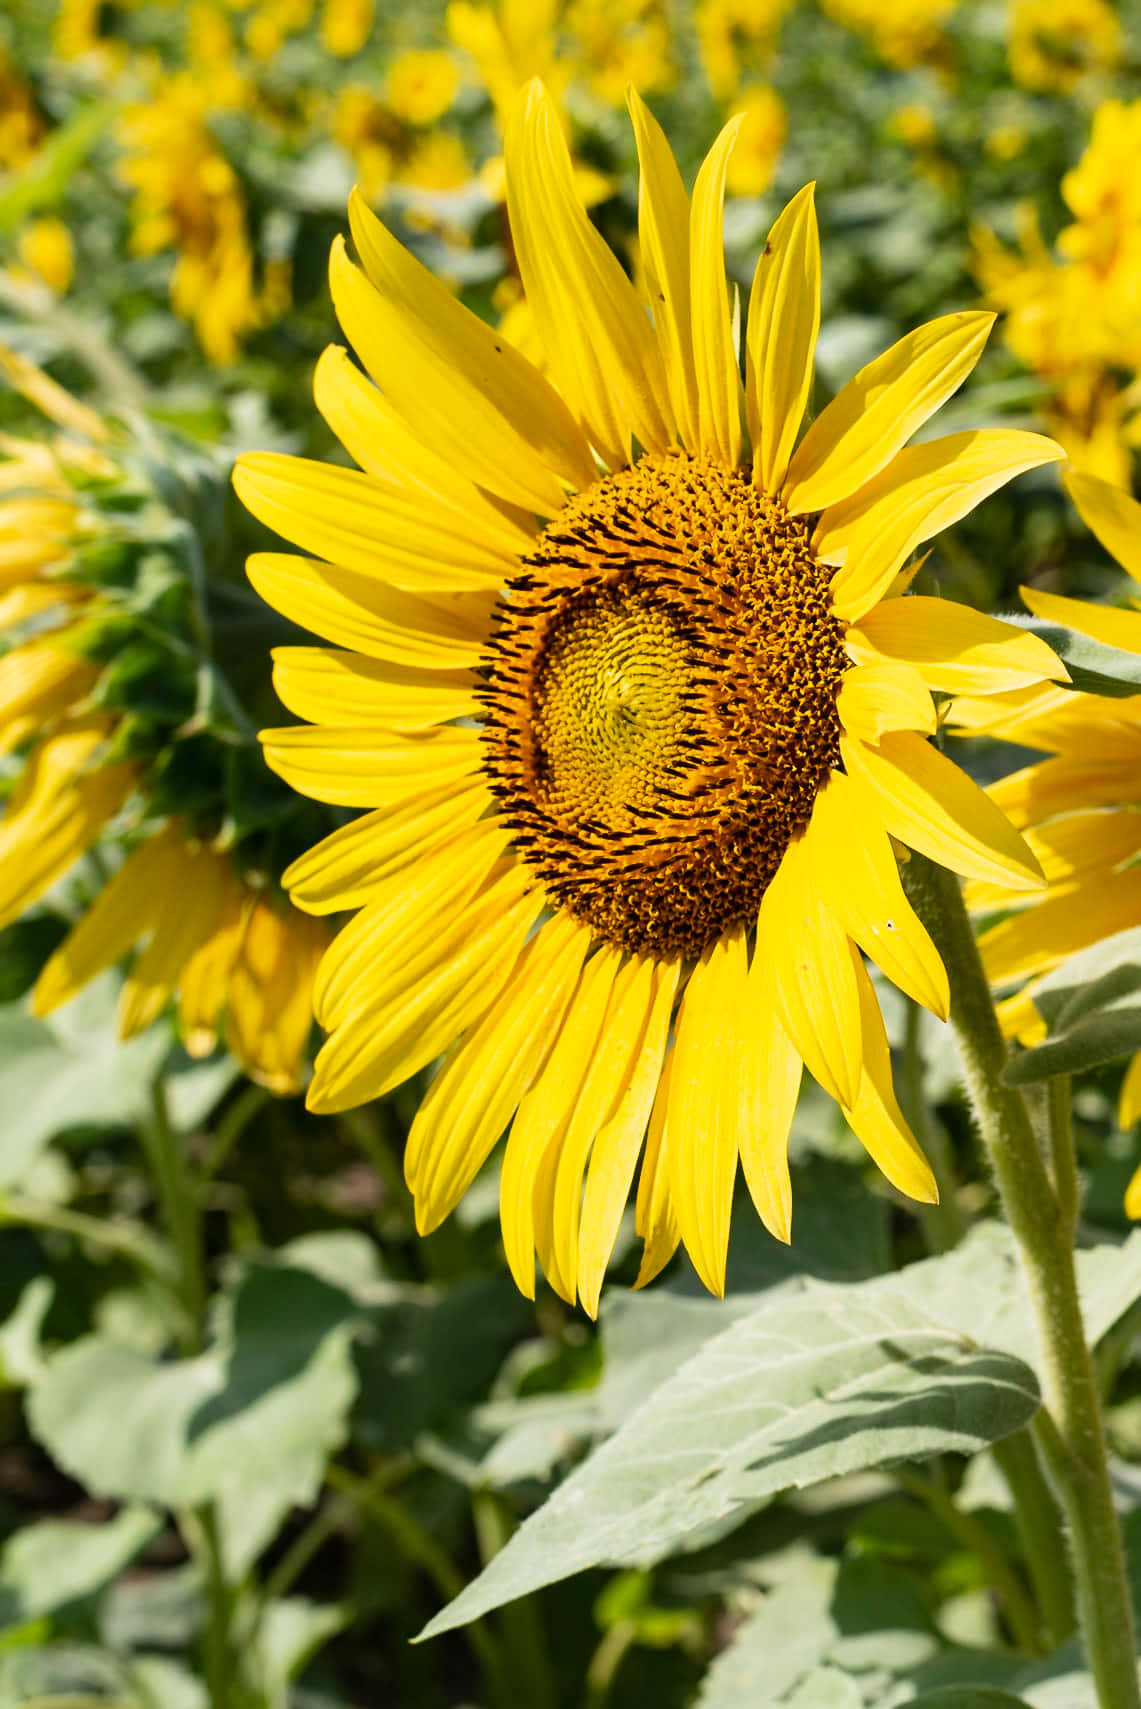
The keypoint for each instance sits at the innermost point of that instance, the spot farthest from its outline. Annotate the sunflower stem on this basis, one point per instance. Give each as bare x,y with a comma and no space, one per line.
1068,1431
1040,1529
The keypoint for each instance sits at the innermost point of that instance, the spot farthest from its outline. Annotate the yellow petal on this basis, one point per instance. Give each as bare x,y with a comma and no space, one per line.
615,1153
923,490
458,384
344,870
1066,784
932,806
878,697
330,687
41,679
1101,622
663,227
806,956
954,647
598,340
125,908
769,1075
780,341
375,436
854,870
1129,1111
476,1092
875,1117
200,886
1058,926
654,1217
1020,1018
203,986
269,1014
863,427
1074,850
350,519
1112,515
703,1106
441,633
1132,1203
714,345
543,1116
390,1038
369,767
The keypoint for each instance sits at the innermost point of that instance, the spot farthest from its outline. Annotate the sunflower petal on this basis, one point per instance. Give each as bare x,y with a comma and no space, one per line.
598,340
329,687
875,1117
1110,514
1128,1112
769,1075
1101,622
878,697
1065,784
876,413
202,877
854,870
806,956
953,647
456,381
1033,941
923,490
369,767
780,340
654,1218
934,807
714,344
663,226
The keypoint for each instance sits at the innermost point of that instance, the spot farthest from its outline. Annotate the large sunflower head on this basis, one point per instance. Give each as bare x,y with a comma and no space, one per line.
618,673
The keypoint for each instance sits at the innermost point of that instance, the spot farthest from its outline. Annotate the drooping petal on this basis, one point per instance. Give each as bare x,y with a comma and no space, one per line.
806,957
269,1014
204,984
367,766
1077,849
876,413
953,647
1065,784
934,807
878,697
768,1085
351,520
663,228
654,1217
1112,515
1103,622
714,346
875,1118
329,687
598,339
476,1092
703,1106
780,340
614,1155
923,490
855,872
543,1116
1040,937
456,381
202,877
448,632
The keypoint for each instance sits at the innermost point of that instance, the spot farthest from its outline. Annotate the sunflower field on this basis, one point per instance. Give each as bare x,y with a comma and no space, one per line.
570,961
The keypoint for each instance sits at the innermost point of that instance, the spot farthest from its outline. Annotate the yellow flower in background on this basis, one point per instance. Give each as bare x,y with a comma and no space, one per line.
222,948
635,734
736,38
1055,43
20,124
421,86
1081,808
759,143
187,197
620,44
272,22
346,26
902,33
1074,317
508,43
45,247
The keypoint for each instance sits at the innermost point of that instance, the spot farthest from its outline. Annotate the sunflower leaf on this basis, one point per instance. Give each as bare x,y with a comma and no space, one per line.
805,1387
1092,1006
1094,667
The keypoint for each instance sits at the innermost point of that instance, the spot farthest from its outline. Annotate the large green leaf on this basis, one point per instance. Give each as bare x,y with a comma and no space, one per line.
805,1387
1092,1006
250,1424
44,1567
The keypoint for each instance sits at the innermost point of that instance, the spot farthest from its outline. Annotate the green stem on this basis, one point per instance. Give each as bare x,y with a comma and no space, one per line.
126,1239
1040,1529
200,1529
1021,1615
1063,1159
1068,1430
944,1223
231,1127
525,1646
179,1204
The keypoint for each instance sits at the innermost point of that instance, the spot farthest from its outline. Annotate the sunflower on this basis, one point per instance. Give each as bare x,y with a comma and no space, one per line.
227,948
616,674
1079,808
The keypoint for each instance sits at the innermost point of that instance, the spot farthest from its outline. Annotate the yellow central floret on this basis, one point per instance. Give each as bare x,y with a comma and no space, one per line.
661,700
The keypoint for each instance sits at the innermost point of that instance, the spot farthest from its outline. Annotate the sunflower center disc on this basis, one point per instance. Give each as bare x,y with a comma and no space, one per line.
661,701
